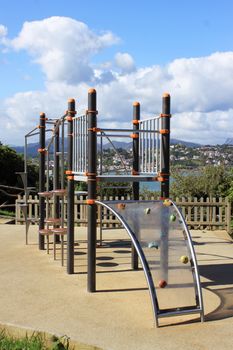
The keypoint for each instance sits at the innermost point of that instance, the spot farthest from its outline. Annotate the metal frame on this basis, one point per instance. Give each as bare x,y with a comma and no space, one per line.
148,149
151,143
157,312
142,258
44,180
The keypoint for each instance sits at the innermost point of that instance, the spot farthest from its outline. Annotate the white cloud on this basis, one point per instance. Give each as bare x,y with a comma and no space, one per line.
63,47
201,88
3,34
3,31
125,62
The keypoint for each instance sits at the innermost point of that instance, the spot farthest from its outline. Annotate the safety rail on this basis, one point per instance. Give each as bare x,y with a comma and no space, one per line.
148,135
149,146
80,125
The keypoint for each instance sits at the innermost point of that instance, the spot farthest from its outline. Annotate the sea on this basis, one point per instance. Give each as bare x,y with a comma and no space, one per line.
152,185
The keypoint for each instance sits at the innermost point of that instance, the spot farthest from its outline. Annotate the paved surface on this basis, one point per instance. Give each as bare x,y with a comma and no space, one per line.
36,293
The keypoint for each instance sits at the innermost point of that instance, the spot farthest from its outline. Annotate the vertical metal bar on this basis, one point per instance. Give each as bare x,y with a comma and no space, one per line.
77,148
74,144
136,118
82,148
56,182
150,148
101,190
84,143
62,153
165,145
165,168
92,148
25,184
147,146
101,153
47,189
153,146
42,178
62,169
25,177
79,145
47,172
25,154
140,146
143,135
70,189
156,125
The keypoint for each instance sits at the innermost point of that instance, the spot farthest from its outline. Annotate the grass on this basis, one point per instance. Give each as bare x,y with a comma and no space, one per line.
36,341
7,213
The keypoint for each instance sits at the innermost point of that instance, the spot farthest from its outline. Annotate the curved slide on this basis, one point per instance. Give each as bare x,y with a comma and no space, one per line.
164,246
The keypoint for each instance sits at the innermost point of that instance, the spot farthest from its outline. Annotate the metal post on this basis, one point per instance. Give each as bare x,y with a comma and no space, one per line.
165,145
26,192
70,188
136,118
62,170
92,168
56,184
41,151
164,175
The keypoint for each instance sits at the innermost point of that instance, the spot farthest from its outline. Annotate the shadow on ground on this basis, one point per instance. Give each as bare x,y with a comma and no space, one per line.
219,274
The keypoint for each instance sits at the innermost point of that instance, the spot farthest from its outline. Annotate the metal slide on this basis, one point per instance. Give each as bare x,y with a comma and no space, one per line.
164,246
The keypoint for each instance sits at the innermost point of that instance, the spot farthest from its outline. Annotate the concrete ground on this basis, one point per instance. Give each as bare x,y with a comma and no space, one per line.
36,293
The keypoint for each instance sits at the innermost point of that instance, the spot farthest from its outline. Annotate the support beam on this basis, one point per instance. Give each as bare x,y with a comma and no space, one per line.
164,174
91,182
70,188
136,118
56,174
165,146
41,151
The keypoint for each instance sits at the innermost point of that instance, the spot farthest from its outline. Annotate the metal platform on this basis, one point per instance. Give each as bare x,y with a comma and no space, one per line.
118,178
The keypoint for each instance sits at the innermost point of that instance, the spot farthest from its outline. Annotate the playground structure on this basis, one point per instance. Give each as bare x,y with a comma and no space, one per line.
160,238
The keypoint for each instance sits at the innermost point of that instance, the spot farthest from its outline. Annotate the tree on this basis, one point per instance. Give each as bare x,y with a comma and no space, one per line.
209,181
10,163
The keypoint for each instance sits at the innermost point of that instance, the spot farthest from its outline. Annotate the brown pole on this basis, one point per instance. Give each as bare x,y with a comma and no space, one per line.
70,188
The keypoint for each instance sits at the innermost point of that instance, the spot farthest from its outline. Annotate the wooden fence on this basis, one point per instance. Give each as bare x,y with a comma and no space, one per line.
212,213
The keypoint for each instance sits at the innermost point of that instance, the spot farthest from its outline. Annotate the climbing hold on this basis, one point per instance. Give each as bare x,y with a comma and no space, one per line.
172,217
184,259
121,205
162,284
147,211
153,245
167,202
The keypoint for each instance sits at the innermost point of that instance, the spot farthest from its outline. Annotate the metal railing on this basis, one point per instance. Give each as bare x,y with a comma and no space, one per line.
149,146
80,148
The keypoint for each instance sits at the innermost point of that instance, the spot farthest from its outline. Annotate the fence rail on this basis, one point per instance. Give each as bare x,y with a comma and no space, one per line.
211,213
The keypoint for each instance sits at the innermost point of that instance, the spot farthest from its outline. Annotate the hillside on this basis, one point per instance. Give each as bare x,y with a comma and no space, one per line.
32,147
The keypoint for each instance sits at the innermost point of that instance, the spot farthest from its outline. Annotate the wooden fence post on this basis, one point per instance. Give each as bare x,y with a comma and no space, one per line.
228,216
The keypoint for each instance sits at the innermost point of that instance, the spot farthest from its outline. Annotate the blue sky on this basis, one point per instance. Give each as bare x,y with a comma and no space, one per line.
151,49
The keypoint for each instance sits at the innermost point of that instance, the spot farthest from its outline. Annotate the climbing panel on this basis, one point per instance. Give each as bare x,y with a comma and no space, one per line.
160,231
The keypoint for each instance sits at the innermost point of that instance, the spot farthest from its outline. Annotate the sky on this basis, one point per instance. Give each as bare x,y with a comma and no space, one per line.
129,50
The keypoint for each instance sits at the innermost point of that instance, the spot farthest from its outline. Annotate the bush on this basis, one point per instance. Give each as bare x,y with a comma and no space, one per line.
210,181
